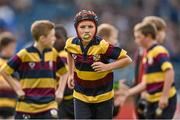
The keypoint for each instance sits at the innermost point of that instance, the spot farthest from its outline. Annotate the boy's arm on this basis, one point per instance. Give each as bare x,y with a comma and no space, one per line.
101,67
121,96
70,62
14,84
112,52
61,87
169,79
137,89
167,68
13,65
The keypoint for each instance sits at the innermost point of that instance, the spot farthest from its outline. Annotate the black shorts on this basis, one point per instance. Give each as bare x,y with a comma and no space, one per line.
50,114
6,112
66,109
103,110
167,113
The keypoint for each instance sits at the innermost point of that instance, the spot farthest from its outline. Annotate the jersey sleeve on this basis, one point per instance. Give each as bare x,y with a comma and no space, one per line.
111,51
162,57
13,64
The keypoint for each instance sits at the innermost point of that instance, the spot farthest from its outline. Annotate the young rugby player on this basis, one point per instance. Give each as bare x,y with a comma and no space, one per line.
37,66
7,94
92,82
139,65
158,78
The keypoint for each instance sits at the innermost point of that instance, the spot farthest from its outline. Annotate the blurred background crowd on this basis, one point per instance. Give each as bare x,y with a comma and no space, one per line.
17,16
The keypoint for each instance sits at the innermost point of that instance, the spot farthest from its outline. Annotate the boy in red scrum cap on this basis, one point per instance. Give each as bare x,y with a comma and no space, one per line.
92,81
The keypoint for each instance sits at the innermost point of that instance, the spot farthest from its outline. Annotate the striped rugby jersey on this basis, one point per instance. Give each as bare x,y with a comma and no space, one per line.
91,86
156,63
37,72
7,95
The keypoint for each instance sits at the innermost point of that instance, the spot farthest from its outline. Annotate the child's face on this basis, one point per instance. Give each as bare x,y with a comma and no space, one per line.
161,36
10,49
86,30
113,39
49,39
140,39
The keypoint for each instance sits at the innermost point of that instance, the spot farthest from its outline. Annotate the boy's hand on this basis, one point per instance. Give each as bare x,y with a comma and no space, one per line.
71,82
144,95
59,96
100,67
20,94
119,99
121,94
163,102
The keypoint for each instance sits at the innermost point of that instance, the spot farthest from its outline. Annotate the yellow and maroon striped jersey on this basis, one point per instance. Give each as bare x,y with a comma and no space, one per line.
7,94
156,63
37,72
91,86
